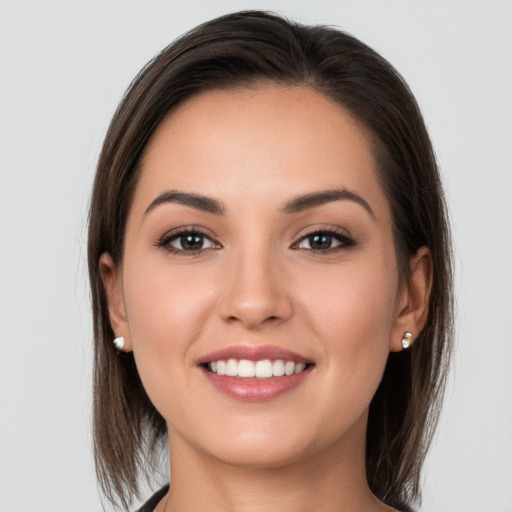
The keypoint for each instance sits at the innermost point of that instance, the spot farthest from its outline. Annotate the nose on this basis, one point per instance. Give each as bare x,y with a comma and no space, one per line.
255,291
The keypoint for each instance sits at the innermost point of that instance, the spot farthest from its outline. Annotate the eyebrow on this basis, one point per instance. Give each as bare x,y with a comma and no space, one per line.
296,205
199,202
308,201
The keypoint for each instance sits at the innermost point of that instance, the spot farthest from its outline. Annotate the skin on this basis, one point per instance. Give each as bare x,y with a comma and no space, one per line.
257,282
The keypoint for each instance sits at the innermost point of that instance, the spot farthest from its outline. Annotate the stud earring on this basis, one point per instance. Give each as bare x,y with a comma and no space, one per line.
406,339
119,343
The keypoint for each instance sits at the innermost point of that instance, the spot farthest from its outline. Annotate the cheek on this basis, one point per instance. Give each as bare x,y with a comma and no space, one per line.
352,313
357,297
164,302
166,311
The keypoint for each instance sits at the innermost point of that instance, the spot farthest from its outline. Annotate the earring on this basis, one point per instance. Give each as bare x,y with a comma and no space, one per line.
119,343
406,339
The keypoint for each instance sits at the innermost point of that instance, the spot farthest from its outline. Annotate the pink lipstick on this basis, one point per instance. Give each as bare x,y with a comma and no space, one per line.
255,373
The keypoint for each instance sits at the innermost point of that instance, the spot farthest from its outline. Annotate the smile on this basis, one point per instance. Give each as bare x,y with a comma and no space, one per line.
255,373
263,369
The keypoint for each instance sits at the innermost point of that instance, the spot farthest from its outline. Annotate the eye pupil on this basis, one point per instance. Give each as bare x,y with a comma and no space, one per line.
320,241
191,242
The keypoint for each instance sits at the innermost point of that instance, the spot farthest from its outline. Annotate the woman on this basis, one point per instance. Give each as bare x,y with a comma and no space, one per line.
270,266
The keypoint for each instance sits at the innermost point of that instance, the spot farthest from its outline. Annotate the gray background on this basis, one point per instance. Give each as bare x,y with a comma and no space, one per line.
63,69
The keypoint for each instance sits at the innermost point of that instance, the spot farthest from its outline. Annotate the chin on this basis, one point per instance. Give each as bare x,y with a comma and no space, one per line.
260,455
270,445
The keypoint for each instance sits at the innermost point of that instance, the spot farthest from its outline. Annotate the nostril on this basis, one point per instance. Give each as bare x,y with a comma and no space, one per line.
255,311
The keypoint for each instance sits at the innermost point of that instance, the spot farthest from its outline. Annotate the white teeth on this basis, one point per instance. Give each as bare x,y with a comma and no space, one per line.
299,367
232,368
245,368
221,367
278,368
263,369
289,367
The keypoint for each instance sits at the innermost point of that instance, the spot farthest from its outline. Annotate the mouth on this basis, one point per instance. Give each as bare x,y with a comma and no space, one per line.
262,369
255,373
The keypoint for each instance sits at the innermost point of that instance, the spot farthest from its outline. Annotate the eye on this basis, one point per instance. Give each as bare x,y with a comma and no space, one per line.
324,241
191,242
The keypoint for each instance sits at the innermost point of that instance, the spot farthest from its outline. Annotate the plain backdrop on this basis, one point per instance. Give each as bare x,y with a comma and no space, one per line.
64,67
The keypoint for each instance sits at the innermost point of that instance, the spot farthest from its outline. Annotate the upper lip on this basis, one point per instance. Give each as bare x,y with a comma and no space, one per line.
253,353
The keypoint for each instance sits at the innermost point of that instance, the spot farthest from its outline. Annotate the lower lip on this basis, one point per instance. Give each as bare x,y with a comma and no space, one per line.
255,390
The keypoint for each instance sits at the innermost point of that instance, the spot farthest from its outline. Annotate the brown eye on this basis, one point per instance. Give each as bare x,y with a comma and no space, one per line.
325,241
189,242
319,241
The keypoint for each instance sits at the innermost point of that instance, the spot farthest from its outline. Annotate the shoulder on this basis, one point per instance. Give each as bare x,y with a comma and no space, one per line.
150,505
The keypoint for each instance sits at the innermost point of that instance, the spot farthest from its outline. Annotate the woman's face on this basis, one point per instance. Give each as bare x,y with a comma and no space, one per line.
259,233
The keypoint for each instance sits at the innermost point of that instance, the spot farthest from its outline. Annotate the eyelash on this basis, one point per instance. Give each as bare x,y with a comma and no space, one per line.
165,241
345,241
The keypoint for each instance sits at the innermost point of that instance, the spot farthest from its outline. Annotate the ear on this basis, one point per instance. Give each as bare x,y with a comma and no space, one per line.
110,275
413,300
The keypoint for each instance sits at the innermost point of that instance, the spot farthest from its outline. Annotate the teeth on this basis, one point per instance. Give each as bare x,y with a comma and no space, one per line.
232,368
289,368
245,369
221,367
299,367
278,368
263,369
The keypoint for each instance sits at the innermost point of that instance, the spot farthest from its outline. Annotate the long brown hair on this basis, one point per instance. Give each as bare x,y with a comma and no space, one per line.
241,50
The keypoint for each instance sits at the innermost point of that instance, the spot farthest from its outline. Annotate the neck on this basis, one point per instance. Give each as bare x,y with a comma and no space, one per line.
332,480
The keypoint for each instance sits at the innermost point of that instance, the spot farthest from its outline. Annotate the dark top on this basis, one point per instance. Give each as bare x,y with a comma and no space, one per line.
151,504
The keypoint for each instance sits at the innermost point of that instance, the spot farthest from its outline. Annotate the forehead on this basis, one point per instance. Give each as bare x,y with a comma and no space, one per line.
261,144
